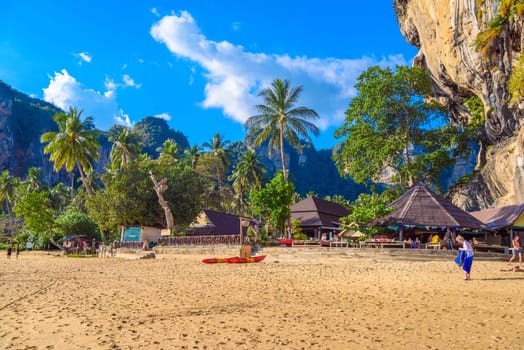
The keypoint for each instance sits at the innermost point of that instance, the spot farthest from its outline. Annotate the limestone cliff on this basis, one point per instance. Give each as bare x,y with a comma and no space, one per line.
445,33
22,121
500,182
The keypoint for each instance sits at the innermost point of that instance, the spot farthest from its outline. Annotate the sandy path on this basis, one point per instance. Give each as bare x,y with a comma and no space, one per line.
176,302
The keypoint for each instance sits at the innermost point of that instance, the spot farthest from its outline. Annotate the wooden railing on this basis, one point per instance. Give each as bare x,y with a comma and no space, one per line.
200,240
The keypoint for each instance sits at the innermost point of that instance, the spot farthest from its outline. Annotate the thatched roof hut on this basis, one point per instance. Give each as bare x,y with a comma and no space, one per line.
420,206
318,215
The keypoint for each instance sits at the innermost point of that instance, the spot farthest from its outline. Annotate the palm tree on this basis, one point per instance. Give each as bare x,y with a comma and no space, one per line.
247,175
217,146
32,180
74,144
169,150
280,120
192,154
125,148
8,186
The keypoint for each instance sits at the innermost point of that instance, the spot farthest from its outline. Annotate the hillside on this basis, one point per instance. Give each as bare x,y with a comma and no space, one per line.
24,119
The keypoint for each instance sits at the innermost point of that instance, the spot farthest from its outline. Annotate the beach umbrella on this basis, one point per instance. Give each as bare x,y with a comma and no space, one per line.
350,234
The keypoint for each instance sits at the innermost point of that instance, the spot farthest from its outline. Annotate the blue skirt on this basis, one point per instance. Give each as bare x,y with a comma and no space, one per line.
465,260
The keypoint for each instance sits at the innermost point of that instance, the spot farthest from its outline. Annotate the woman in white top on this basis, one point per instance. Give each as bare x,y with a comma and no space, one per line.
465,257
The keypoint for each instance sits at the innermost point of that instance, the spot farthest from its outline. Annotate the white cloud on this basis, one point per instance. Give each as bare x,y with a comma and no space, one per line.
128,81
155,12
110,84
65,91
164,116
84,56
235,75
123,119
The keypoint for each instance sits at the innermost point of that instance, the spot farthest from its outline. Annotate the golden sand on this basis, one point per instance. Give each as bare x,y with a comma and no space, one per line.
292,301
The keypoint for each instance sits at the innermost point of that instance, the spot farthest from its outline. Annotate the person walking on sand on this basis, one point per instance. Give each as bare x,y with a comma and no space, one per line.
9,250
465,256
517,250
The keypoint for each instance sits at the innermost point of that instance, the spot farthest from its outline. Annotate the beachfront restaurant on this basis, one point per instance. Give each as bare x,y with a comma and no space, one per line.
421,213
319,219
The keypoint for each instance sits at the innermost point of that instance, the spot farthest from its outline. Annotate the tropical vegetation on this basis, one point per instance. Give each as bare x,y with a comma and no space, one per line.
391,134
279,120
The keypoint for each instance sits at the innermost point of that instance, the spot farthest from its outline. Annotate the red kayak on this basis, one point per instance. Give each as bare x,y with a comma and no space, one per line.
286,242
214,260
234,260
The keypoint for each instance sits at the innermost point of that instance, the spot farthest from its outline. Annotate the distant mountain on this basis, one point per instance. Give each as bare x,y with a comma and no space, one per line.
24,119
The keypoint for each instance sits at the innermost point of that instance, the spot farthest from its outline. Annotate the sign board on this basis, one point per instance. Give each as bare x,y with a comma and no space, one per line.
132,233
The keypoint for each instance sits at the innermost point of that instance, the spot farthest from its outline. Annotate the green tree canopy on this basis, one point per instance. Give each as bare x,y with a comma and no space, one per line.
129,198
247,175
35,208
390,128
273,200
73,221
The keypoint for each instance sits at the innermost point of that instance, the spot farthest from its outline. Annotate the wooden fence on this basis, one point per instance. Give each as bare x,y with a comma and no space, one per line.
200,240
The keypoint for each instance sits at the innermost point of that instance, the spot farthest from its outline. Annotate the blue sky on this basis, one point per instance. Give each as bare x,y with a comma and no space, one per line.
198,64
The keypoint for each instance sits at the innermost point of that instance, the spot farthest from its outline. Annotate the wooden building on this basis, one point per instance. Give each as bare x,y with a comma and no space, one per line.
504,221
318,217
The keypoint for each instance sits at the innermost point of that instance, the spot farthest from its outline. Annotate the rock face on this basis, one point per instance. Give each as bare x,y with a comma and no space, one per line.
22,121
501,181
445,33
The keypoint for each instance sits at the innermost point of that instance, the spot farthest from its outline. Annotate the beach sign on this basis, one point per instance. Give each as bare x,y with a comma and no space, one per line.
132,233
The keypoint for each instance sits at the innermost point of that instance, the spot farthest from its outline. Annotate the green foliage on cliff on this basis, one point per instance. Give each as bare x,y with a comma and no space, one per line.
476,107
486,38
516,82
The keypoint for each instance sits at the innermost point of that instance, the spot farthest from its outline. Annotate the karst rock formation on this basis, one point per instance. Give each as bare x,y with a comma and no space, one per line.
445,31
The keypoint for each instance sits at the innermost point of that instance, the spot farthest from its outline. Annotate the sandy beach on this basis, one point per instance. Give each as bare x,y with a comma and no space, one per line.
288,301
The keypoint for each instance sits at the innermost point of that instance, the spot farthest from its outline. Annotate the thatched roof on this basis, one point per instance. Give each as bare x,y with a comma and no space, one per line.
316,212
497,218
420,206
218,223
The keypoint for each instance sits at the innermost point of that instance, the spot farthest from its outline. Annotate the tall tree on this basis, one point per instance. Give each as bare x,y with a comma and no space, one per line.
169,150
192,154
74,144
247,175
8,185
32,180
389,128
279,120
218,147
125,148
219,159
273,200
36,209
